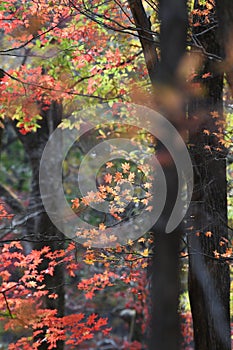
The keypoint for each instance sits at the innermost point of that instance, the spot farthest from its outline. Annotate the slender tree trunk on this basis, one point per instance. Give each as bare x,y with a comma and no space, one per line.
209,279
165,333
39,227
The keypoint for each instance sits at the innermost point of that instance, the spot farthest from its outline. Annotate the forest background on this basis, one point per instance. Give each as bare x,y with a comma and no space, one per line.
58,60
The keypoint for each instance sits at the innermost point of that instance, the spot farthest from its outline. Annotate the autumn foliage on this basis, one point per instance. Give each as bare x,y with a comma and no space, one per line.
75,54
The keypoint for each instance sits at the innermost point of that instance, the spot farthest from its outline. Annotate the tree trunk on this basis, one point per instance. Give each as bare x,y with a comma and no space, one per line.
165,333
209,279
39,227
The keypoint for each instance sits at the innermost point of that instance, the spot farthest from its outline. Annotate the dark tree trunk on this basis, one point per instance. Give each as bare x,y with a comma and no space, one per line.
165,332
143,25
209,279
38,226
225,19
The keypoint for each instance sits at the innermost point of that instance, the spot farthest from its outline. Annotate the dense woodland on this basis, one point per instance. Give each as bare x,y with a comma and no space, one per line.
87,275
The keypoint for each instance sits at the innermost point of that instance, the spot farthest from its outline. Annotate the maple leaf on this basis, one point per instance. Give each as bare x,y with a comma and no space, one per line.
32,284
150,208
89,295
118,176
102,188
112,238
53,296
125,167
50,271
71,247
144,265
16,245
130,242
215,114
108,178
75,203
109,165
148,185
131,177
208,234
106,331
91,319
102,227
118,248
145,252
86,200
206,75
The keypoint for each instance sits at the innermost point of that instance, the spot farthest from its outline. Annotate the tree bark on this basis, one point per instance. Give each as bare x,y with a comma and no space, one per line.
209,279
165,332
38,224
143,25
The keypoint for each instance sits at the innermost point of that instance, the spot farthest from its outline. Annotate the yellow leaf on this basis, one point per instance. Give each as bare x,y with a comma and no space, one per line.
32,284
145,252
102,227
130,242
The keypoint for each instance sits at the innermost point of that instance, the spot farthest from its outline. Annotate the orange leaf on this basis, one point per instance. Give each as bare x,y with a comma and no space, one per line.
208,234
75,203
108,178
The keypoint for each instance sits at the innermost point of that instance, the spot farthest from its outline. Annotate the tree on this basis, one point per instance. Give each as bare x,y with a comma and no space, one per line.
36,96
164,75
209,280
64,62
38,224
